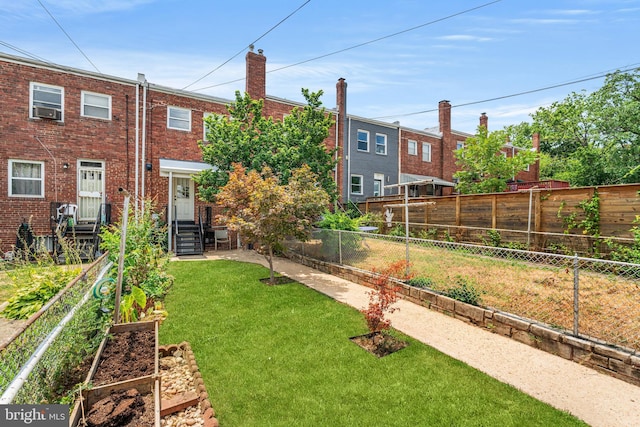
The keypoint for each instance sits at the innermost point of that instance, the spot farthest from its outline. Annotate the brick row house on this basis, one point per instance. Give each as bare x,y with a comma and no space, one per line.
70,140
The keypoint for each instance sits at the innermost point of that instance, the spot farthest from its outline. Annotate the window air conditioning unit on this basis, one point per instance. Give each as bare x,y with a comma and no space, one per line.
47,113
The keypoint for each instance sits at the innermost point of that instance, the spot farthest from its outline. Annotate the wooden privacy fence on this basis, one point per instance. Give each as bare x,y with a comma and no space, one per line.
534,216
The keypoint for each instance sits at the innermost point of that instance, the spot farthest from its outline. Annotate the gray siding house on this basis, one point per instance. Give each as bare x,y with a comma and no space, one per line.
371,159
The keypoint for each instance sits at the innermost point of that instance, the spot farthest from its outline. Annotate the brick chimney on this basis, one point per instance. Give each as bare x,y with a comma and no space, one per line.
256,74
484,120
444,117
535,168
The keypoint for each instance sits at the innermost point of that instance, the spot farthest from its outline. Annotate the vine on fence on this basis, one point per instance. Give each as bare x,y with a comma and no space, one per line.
590,224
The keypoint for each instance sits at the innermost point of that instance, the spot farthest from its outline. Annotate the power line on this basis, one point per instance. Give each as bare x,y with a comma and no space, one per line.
365,43
68,36
598,76
24,52
250,44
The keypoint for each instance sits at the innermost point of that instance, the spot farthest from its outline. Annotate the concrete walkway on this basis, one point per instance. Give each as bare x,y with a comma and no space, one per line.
596,398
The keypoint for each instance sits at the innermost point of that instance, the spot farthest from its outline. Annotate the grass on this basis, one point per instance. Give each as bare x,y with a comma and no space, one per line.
280,356
609,304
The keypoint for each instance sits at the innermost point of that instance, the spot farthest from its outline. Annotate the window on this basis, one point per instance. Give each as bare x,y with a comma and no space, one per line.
378,180
412,147
381,143
26,178
204,126
363,140
178,118
459,145
356,184
96,105
46,101
426,152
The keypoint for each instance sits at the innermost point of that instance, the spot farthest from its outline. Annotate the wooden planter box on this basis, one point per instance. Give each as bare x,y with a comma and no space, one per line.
144,384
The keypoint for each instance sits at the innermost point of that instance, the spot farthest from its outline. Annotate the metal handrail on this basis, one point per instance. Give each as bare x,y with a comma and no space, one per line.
201,228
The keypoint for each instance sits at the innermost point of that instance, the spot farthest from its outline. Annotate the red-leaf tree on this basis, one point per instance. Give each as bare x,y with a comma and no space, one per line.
265,212
383,296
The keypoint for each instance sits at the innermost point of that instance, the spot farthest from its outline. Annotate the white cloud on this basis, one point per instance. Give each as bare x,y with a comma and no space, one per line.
464,37
573,12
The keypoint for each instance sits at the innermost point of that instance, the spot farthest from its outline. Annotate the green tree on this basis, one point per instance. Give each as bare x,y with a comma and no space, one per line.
482,165
245,136
265,212
592,139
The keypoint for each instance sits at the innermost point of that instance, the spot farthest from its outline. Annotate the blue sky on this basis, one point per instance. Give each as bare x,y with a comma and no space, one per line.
499,49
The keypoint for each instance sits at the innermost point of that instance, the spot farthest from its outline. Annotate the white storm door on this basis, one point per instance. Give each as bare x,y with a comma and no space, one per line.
90,189
183,199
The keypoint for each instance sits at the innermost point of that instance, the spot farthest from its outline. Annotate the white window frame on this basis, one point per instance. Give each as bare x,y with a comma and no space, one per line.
84,104
459,145
412,151
361,192
365,132
378,177
186,121
32,102
11,178
204,127
426,149
383,145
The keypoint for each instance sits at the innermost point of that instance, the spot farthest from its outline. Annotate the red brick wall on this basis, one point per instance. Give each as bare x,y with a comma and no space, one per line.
76,138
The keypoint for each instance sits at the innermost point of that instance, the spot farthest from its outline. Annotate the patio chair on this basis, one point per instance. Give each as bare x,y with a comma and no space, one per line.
67,210
221,237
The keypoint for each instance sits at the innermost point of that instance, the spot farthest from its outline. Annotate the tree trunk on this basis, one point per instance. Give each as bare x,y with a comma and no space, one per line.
272,278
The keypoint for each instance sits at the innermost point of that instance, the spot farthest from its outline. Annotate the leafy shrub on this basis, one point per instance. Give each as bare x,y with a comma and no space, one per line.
398,230
145,261
464,291
338,221
420,282
36,284
494,238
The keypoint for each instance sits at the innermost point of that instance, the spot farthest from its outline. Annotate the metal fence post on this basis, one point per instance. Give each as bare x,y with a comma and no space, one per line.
340,244
576,287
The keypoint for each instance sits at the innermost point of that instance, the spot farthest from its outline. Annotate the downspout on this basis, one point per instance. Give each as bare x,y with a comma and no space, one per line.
137,155
335,173
126,133
400,154
170,212
348,177
144,139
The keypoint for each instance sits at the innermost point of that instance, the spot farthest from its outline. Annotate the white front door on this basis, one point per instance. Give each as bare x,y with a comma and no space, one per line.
183,199
90,189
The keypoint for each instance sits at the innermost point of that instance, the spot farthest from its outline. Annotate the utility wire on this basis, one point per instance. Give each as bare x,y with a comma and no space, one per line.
69,37
598,76
365,43
24,52
250,44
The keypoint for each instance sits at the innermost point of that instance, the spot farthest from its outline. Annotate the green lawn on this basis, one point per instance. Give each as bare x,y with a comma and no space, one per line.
281,356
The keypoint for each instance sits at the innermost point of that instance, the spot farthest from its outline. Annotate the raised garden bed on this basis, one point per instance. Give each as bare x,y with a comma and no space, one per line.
133,379
124,379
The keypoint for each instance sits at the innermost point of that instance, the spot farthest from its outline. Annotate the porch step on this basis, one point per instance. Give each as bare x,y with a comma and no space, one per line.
188,241
81,238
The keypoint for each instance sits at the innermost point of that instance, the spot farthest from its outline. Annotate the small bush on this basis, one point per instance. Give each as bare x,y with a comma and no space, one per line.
464,291
420,282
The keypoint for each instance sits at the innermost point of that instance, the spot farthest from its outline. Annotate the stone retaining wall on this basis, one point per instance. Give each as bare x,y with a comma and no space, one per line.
617,362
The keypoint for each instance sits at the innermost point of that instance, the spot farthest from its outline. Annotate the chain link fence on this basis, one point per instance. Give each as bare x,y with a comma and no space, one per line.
38,363
590,298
